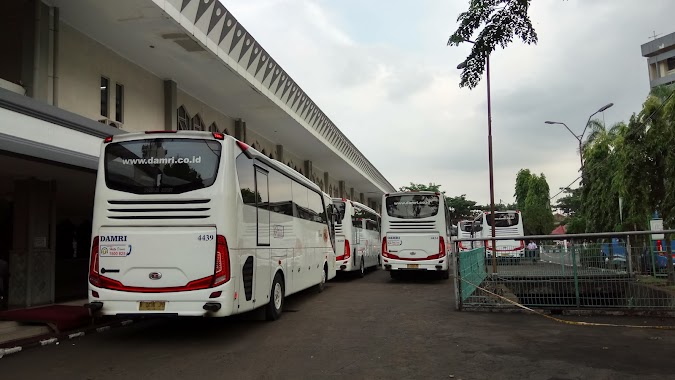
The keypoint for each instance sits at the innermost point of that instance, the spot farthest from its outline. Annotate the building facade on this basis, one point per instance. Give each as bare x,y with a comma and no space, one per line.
660,54
78,71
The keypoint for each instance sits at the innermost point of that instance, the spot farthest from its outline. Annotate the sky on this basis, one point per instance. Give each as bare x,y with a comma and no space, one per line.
382,72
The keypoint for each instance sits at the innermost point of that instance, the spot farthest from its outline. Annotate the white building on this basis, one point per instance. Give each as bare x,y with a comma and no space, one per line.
660,54
76,71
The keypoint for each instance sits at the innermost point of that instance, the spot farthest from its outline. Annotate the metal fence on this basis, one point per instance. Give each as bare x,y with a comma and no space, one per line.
583,272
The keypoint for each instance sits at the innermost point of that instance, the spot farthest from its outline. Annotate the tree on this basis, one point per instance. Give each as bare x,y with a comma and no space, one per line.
570,204
658,115
460,208
537,215
422,187
501,21
522,187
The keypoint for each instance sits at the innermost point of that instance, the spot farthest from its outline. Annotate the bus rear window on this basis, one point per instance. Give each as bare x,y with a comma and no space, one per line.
412,206
161,166
340,206
503,219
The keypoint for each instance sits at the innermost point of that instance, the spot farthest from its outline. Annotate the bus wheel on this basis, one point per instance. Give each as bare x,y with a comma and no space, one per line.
324,275
362,271
276,304
446,274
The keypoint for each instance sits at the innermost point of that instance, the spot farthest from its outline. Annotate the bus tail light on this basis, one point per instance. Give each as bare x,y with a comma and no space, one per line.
108,139
441,247
347,252
384,247
222,267
218,136
94,276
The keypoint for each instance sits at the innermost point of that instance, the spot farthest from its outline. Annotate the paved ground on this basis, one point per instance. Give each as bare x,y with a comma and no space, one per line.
369,328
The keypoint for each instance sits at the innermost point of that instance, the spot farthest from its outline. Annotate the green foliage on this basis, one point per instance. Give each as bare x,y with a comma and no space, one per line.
421,187
499,22
570,204
601,184
537,215
460,208
522,187
576,224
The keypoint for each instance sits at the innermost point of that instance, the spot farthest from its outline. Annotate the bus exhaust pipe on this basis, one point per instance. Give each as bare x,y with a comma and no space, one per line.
212,306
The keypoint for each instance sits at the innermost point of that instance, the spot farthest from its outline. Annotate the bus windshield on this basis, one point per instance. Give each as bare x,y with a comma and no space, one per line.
412,206
503,219
161,166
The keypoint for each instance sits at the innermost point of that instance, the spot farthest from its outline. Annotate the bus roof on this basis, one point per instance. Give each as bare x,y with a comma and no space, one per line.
413,192
165,134
357,204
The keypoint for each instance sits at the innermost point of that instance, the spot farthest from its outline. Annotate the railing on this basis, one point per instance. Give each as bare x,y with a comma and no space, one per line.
583,271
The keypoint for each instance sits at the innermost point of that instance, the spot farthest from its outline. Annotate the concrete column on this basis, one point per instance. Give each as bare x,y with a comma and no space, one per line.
325,183
308,169
240,130
341,189
280,153
170,105
39,86
32,258
362,198
351,194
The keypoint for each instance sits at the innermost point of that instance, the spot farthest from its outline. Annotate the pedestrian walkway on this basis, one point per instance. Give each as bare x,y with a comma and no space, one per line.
21,325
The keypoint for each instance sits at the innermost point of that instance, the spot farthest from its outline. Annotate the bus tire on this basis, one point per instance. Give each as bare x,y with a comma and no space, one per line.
276,304
324,276
445,275
362,270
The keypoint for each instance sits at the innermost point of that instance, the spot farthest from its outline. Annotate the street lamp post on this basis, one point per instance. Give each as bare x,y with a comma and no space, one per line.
490,162
580,138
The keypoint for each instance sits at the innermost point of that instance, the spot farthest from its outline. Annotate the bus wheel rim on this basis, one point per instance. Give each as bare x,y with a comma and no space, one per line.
277,296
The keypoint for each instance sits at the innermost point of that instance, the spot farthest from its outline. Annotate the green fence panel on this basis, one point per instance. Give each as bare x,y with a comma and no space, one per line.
471,270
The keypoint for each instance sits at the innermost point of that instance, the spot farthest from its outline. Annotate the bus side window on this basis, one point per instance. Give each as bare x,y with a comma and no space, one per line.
262,203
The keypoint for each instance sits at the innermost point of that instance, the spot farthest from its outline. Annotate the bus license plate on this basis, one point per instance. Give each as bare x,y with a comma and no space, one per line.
413,266
151,306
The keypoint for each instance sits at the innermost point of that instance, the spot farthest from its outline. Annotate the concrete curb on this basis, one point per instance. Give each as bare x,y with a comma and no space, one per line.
54,338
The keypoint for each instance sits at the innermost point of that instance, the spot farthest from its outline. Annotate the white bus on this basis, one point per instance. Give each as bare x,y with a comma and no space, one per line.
200,224
416,232
507,223
357,236
464,231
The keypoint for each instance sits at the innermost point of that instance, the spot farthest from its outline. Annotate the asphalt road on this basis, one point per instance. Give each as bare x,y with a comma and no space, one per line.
370,328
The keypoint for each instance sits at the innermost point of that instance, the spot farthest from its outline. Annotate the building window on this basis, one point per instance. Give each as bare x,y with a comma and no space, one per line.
119,103
671,64
213,127
198,123
183,119
105,92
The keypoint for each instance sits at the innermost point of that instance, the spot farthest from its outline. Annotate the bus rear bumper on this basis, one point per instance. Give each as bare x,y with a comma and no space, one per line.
506,254
196,303
346,265
400,265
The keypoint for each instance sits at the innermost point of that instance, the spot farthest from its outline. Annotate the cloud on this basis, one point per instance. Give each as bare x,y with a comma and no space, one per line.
383,73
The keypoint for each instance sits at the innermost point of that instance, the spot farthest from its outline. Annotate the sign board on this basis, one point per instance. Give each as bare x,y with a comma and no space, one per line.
656,225
40,242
